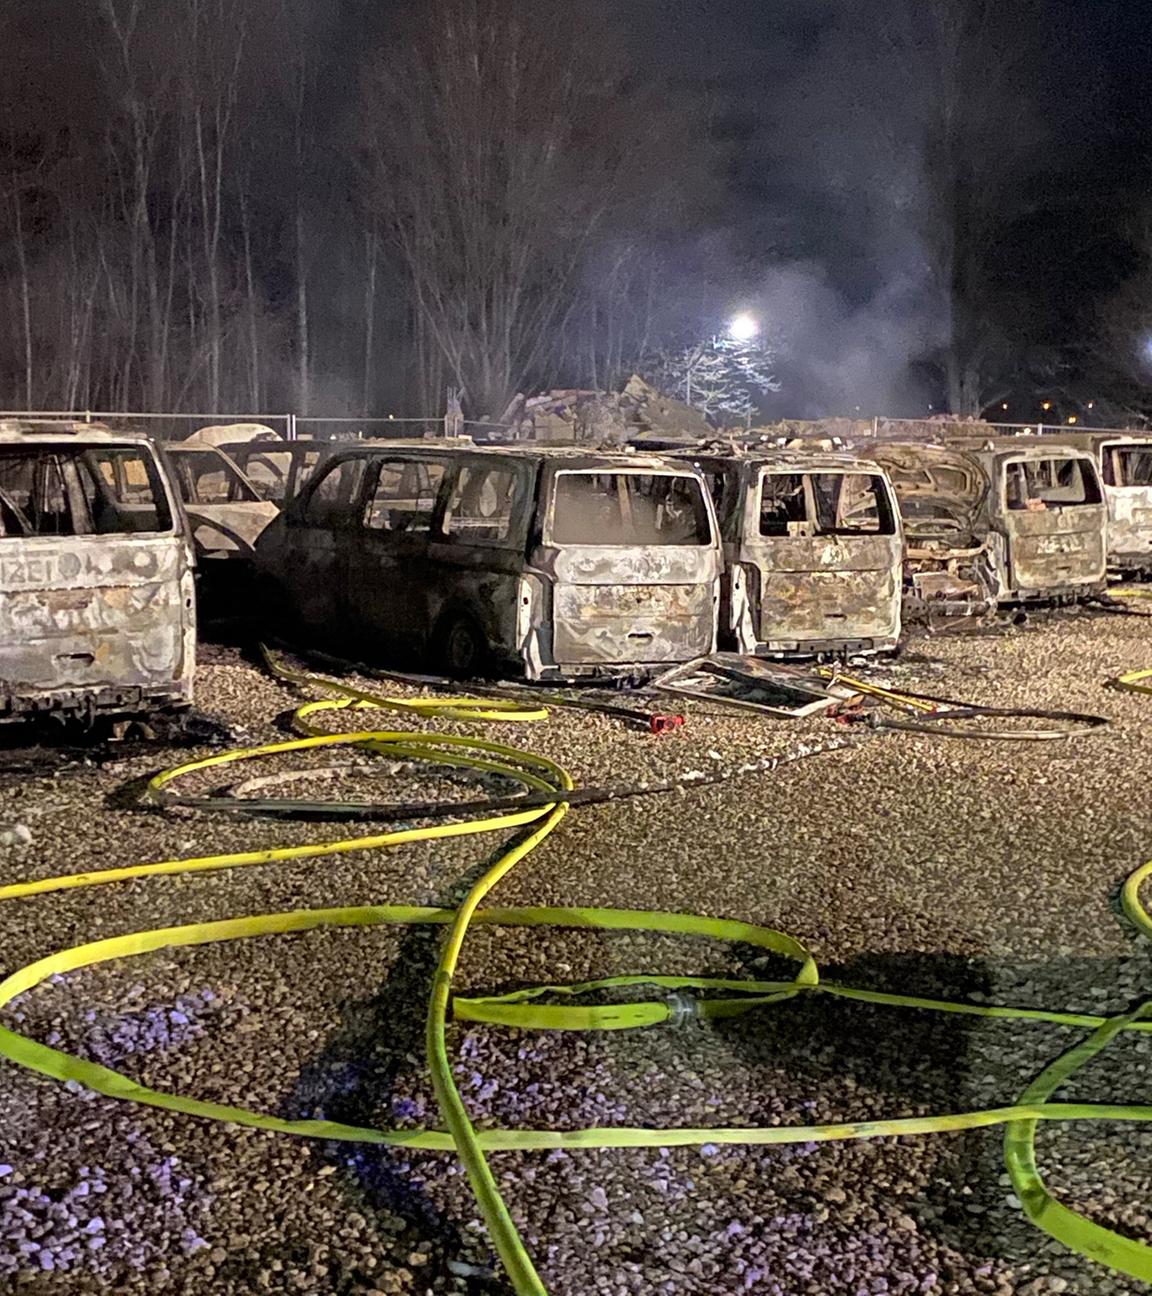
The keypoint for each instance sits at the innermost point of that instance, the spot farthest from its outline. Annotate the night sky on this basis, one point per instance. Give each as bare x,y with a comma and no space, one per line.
813,199
765,65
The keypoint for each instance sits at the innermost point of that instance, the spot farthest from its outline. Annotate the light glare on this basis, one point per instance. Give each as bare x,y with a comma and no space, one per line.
743,328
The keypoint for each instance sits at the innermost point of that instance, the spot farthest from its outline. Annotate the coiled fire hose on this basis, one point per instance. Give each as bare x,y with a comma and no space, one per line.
684,998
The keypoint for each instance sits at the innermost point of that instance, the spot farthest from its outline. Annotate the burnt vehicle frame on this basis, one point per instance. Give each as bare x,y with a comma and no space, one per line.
1047,518
1124,461
942,493
1125,464
813,551
278,469
520,560
1036,533
97,605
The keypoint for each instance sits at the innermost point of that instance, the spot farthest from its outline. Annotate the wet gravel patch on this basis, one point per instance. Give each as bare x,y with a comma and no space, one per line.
978,871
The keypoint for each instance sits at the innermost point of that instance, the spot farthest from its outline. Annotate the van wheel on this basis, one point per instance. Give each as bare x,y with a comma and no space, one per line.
461,648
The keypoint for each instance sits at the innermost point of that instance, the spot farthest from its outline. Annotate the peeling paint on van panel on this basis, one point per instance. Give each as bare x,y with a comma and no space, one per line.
1129,527
631,623
96,623
827,605
1057,549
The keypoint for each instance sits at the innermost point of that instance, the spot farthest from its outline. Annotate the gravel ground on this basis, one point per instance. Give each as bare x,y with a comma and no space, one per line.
935,866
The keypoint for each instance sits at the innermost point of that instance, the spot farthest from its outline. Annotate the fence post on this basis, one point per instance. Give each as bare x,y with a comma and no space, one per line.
290,426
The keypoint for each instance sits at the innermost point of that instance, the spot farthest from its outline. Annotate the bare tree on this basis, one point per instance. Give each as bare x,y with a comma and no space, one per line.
500,140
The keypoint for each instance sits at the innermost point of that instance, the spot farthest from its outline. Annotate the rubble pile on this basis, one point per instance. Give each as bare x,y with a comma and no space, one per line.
596,417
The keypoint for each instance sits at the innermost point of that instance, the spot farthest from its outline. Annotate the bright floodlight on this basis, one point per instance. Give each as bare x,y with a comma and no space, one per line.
743,328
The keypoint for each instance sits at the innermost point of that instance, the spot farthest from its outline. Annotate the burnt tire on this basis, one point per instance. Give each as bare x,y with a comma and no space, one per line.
461,648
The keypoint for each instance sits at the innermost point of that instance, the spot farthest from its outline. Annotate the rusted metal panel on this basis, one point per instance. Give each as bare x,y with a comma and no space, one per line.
631,623
829,606
101,620
1130,528
1056,551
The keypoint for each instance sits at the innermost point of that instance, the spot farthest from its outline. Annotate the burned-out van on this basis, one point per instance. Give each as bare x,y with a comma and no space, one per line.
813,551
1043,516
942,494
549,563
97,614
1125,464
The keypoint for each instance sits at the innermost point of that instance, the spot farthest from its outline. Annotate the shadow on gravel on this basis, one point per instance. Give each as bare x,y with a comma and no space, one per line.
827,1059
32,748
870,1061
355,1081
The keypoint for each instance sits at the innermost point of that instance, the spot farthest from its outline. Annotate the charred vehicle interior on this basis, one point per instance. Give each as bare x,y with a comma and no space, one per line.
947,556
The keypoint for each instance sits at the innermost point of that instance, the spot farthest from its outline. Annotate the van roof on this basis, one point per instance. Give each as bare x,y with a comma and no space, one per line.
985,450
577,455
21,432
798,459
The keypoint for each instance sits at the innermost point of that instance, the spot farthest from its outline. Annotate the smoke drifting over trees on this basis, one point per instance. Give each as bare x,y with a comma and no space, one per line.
343,207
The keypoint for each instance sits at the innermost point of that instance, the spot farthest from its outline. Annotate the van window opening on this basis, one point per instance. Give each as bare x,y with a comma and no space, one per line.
1128,466
405,496
816,504
66,491
481,509
332,500
208,478
612,509
271,470
1035,485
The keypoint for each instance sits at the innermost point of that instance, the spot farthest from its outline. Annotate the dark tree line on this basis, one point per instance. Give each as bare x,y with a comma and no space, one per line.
342,206
256,204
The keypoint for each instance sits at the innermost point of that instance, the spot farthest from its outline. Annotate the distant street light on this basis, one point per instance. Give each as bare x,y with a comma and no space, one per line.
743,328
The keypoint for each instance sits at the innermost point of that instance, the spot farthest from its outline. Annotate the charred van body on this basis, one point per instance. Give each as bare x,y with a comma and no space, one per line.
547,563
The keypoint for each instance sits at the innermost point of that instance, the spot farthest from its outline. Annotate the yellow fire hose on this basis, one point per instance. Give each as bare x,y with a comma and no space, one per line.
522,1009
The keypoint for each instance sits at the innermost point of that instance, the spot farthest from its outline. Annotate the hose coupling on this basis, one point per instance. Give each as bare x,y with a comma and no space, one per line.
682,1008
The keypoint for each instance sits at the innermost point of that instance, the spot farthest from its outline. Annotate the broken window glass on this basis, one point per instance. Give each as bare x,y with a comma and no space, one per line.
1128,466
332,503
606,508
834,503
207,477
1038,484
271,470
783,504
